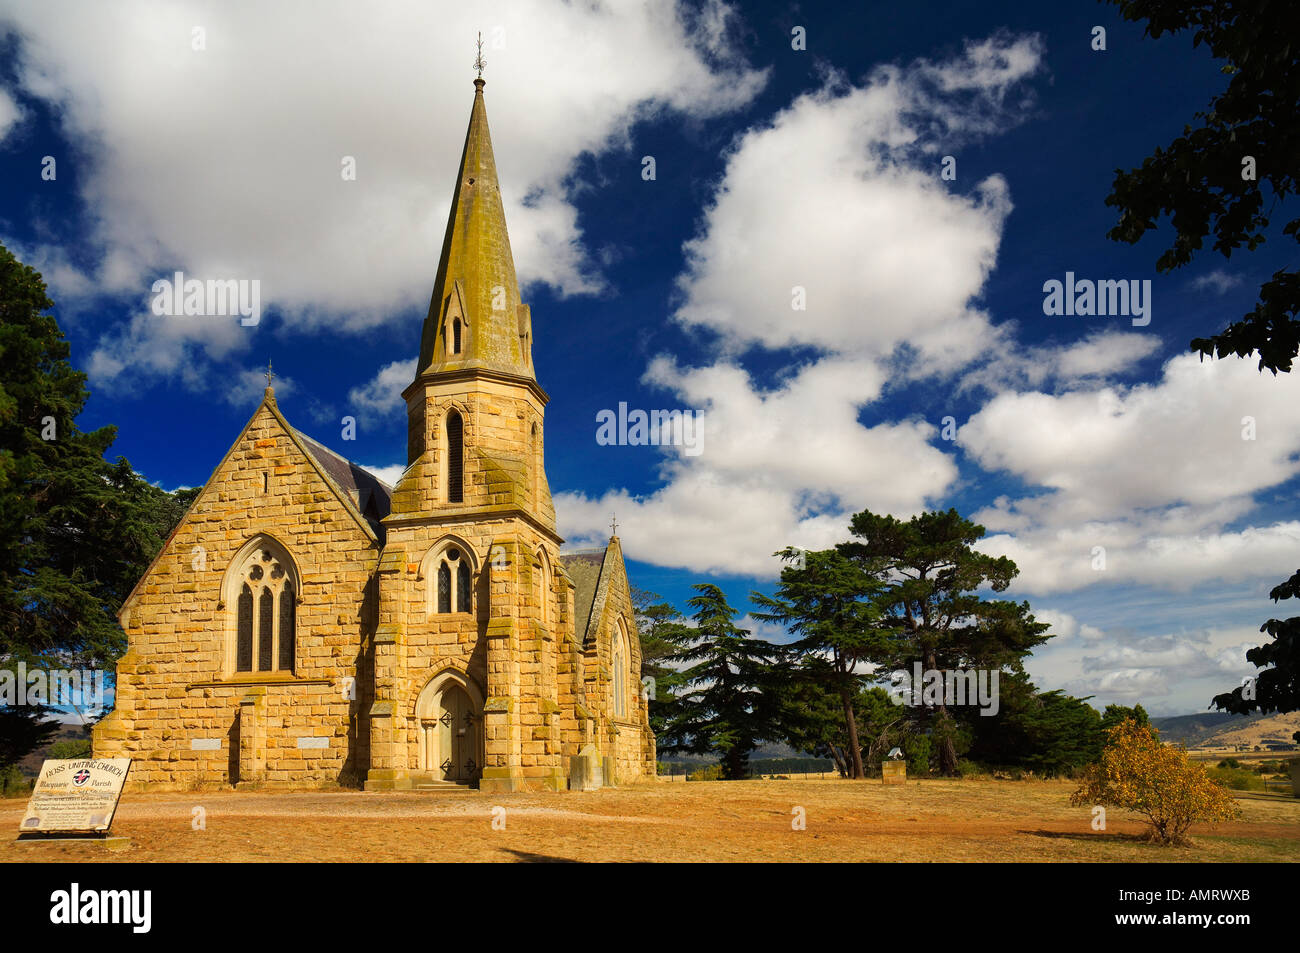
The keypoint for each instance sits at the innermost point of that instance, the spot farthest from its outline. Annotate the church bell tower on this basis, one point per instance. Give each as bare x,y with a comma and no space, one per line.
474,491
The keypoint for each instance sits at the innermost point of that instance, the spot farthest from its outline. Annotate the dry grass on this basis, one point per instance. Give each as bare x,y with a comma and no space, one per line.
973,821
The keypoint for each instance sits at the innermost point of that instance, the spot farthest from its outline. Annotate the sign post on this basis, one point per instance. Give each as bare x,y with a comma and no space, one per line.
74,798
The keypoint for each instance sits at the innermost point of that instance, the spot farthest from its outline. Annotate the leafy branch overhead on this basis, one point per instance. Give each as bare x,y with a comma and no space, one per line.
1207,182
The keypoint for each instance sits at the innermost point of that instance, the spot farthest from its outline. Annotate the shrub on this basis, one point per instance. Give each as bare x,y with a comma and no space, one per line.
1238,779
712,772
1155,780
69,749
12,782
916,749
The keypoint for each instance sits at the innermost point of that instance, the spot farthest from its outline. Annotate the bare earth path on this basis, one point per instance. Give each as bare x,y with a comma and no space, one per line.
976,821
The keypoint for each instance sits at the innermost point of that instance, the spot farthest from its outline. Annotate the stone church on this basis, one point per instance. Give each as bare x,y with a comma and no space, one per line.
306,623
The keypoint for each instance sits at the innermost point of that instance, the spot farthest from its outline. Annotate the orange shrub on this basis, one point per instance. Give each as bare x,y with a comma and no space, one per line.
1156,780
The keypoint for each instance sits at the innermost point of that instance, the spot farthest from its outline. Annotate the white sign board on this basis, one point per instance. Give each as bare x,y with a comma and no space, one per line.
76,795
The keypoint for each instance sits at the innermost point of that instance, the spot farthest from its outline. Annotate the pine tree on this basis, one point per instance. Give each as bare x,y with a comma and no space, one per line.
663,637
824,599
76,531
929,612
728,707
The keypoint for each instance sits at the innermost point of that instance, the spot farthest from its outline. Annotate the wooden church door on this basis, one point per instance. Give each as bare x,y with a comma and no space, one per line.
457,736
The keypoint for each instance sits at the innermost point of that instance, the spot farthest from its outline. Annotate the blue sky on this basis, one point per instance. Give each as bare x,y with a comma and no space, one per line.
208,138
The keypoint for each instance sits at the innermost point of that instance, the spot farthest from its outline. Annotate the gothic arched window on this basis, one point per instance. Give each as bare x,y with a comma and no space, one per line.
543,587
265,608
455,457
453,581
619,661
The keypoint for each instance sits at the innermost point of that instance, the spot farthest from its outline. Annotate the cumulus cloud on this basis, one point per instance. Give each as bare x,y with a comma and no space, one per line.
1186,668
1155,474
174,347
1100,356
1066,628
225,161
777,467
388,474
802,204
807,199
245,389
1169,671
382,394
9,114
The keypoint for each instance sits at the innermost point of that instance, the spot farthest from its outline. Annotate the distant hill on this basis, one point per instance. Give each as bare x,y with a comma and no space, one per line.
30,766
1224,730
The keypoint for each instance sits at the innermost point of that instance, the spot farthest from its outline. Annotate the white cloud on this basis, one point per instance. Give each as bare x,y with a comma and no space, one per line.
1105,354
9,114
1066,628
780,467
389,474
1178,439
805,201
246,389
226,162
1156,474
174,347
1218,281
840,195
758,629
1098,357
1169,672
67,284
382,394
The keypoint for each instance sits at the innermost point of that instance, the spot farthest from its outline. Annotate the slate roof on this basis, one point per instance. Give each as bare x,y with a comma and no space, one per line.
585,568
371,495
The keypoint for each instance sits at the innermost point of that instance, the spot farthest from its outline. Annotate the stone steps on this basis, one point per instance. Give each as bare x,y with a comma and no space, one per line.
442,787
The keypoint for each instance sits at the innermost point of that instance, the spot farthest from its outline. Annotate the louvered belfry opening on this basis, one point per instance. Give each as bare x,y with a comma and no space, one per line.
455,458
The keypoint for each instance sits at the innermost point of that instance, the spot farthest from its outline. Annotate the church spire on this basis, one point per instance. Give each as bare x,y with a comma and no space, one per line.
476,319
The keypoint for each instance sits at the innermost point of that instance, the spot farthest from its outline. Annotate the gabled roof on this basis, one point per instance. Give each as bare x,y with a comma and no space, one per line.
371,495
360,492
584,568
592,571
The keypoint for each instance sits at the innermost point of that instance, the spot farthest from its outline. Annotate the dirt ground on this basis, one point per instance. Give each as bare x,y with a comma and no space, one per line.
975,821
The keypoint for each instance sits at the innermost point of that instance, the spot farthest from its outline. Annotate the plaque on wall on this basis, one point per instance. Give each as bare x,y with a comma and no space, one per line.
75,796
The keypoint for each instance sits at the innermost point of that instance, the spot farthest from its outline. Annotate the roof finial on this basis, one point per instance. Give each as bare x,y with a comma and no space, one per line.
269,375
613,525
269,394
479,62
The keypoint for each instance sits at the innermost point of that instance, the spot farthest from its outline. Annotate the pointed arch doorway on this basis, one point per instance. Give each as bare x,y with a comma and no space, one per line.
449,729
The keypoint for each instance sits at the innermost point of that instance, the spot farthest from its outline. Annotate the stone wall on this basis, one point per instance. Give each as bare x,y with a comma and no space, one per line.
181,712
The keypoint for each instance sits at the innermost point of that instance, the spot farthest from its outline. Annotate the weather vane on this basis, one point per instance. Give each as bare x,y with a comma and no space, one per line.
613,524
479,63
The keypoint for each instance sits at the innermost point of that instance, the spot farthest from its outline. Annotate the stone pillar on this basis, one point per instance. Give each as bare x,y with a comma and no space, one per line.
388,769
501,726
252,737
